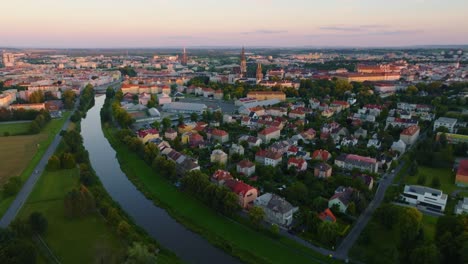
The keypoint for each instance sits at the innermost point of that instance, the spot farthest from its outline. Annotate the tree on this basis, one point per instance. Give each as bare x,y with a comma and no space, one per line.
68,98
230,203
36,97
351,208
297,192
38,223
256,215
194,117
12,186
435,181
328,233
123,229
413,170
410,224
387,215
18,251
425,254
166,122
139,253
68,161
53,163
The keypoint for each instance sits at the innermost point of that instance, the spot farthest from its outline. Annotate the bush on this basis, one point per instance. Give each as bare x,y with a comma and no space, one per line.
12,186
435,182
38,223
54,163
68,161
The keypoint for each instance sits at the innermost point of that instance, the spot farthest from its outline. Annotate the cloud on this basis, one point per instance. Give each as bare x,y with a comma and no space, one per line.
180,37
353,28
397,32
264,32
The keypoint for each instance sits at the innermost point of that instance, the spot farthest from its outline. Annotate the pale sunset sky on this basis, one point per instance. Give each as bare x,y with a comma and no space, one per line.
162,23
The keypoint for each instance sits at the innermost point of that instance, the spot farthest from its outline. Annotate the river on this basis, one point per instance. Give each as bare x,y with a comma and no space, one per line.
189,246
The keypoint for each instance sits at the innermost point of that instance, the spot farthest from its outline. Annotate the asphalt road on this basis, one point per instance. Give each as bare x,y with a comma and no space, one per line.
353,235
15,122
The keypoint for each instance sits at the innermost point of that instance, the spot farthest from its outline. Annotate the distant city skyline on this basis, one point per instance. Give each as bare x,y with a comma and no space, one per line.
272,23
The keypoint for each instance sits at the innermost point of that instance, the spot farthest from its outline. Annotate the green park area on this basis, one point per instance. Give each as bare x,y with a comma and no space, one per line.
19,155
239,240
87,239
438,178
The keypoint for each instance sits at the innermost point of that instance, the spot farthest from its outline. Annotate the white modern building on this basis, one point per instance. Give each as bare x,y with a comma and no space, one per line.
462,206
425,197
447,122
184,108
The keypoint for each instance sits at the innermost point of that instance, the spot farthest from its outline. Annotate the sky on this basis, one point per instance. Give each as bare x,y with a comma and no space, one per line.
279,23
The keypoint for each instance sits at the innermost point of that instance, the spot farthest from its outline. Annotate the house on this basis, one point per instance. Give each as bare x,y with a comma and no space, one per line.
236,149
219,135
251,140
164,99
296,114
322,170
321,154
309,134
462,206
267,95
218,156
246,193
425,197
277,210
268,158
327,216
280,147
170,134
447,122
461,179
410,135
292,151
341,199
374,142
298,163
220,176
269,133
351,161
182,128
143,98
360,132
399,146
147,134
366,179
245,167
183,163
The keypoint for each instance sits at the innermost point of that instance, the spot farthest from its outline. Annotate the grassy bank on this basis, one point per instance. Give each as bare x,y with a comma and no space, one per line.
247,244
81,240
19,155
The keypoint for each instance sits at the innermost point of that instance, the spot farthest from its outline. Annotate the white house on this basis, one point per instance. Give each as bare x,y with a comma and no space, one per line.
462,206
428,198
277,210
447,122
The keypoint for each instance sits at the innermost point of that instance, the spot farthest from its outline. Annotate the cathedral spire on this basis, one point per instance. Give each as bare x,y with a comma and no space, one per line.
243,64
259,73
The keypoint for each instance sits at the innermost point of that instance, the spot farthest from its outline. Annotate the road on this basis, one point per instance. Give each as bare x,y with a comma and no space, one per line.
353,235
28,186
15,122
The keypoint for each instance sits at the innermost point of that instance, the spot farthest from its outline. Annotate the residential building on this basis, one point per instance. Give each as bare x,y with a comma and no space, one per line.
245,167
366,179
341,199
277,210
321,154
410,135
164,99
251,140
220,176
327,216
462,206
170,134
218,135
298,163
146,135
269,133
360,133
322,170
461,178
351,161
268,158
425,197
236,149
449,123
296,114
399,146
246,193
218,156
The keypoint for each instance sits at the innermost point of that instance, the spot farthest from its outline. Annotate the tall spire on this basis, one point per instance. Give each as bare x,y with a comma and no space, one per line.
259,73
243,63
184,57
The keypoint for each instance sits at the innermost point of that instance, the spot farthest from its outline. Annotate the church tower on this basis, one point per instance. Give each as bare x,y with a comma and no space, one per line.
259,73
184,58
243,64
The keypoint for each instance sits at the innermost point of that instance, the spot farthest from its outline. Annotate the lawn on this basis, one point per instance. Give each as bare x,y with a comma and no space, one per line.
446,176
377,243
83,240
19,155
242,241
14,128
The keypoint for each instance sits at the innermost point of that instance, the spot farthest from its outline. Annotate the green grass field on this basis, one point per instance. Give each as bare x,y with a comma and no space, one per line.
245,243
446,176
14,129
19,155
82,240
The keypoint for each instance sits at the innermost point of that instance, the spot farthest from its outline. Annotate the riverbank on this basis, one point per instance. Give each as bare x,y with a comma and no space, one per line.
238,240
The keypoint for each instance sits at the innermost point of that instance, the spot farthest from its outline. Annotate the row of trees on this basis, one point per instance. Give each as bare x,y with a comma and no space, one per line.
39,122
16,115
